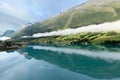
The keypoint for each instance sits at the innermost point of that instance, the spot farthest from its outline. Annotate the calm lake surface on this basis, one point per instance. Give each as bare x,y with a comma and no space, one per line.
73,62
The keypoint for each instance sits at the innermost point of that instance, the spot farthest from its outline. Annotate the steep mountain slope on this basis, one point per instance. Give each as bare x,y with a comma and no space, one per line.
91,12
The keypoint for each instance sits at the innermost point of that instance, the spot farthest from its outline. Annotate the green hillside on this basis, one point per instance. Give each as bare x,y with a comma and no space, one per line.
91,12
81,38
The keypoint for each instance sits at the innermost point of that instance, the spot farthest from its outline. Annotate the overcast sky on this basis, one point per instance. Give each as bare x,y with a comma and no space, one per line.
24,11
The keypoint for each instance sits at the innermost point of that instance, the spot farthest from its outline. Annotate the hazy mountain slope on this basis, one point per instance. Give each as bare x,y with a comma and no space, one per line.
91,12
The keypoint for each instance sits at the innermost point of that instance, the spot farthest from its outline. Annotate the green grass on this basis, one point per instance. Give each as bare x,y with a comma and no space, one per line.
81,38
106,38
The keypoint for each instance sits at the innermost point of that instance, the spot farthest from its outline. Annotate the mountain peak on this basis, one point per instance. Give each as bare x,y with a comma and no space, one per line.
101,1
96,1
8,33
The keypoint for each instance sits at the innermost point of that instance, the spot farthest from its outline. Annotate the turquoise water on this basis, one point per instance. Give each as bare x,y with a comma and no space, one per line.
73,62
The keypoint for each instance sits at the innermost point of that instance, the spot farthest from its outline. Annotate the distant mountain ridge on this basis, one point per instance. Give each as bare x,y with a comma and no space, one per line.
8,33
88,13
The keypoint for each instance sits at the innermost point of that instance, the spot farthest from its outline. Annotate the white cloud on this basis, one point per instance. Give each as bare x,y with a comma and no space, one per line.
105,27
6,6
35,10
4,38
12,10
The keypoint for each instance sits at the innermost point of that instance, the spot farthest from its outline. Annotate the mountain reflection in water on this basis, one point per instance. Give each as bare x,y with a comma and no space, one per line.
99,62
